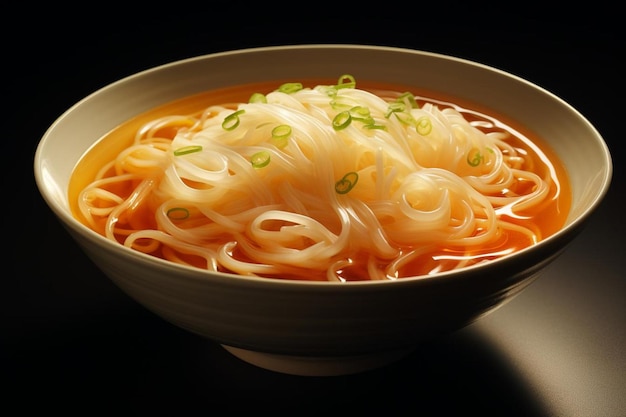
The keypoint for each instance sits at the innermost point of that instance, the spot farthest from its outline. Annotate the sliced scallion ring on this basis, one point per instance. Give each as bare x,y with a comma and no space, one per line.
395,107
289,88
408,98
346,81
423,125
342,103
360,113
281,131
406,118
178,213
257,98
373,125
187,150
260,159
232,120
342,120
347,183
474,157
280,135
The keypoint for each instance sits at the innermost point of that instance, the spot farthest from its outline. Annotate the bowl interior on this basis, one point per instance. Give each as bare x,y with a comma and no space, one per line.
578,144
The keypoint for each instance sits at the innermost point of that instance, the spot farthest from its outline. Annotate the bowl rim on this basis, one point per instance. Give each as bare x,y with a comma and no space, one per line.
566,234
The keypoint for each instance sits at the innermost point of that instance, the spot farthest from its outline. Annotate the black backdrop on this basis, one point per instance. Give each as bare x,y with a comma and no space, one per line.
72,342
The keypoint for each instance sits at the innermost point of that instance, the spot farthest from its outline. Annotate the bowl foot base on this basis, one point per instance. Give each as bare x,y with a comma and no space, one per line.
318,365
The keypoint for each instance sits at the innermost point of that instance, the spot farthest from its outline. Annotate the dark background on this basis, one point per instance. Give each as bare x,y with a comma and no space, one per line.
72,342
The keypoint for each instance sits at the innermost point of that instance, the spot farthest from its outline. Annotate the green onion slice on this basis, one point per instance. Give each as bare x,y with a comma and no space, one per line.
260,159
423,126
408,98
257,98
360,113
342,120
346,81
342,103
178,213
289,88
395,107
406,118
232,120
375,126
281,135
281,131
474,157
187,149
347,183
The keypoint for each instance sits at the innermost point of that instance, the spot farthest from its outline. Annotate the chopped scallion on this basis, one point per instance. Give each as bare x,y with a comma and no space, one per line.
342,103
342,120
260,159
257,98
406,118
232,120
281,131
395,107
474,157
347,183
423,126
178,213
289,88
375,126
187,150
280,135
360,113
408,98
346,81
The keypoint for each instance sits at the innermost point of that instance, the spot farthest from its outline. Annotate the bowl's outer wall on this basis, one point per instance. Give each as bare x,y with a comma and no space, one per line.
316,321
287,317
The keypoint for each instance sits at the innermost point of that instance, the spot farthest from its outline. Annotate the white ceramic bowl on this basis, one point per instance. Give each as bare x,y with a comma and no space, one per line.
322,328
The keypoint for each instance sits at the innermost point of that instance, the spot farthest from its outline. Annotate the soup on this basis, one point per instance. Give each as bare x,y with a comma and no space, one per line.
333,180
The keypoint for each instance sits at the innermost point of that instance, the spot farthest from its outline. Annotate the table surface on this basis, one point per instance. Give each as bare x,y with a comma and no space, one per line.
73,342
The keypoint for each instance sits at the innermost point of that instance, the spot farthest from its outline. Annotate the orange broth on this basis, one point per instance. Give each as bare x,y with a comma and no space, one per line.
546,220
